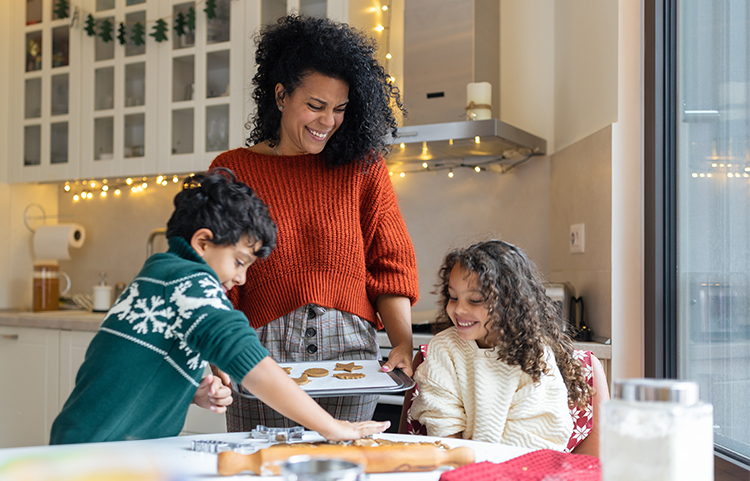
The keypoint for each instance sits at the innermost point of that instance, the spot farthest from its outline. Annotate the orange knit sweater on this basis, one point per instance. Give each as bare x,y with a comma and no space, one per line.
341,239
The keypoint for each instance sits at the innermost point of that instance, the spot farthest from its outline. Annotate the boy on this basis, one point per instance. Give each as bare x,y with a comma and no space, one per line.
144,366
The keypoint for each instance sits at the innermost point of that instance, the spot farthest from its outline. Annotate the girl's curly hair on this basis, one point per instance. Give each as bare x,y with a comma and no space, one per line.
522,319
296,46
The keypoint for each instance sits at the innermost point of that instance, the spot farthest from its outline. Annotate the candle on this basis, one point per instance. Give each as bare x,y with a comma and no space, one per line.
479,101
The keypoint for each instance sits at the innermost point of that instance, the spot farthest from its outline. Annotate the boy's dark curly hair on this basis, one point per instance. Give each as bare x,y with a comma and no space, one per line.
522,319
296,46
226,207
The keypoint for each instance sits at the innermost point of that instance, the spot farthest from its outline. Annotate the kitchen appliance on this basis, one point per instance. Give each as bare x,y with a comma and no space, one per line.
561,295
449,45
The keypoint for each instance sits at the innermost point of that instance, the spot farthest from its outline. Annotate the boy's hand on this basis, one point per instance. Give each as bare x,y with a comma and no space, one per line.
225,379
213,395
346,431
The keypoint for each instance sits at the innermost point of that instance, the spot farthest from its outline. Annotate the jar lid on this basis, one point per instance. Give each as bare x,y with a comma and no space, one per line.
664,390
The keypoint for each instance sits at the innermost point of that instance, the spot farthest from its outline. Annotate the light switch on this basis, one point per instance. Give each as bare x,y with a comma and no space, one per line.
577,238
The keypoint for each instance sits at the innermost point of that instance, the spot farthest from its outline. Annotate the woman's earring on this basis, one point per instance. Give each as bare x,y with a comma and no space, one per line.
281,107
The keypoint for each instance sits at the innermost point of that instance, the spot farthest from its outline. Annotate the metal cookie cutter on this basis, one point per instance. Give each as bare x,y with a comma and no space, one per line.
214,446
277,434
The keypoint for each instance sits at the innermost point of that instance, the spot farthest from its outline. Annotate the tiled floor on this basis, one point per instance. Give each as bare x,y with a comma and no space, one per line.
726,471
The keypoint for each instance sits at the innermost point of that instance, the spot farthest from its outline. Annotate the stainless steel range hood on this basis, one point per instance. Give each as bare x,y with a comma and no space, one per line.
448,44
470,140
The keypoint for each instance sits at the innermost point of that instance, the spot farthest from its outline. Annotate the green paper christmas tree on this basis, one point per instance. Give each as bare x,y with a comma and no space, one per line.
122,33
138,34
210,9
90,27
61,9
105,30
190,24
179,24
160,31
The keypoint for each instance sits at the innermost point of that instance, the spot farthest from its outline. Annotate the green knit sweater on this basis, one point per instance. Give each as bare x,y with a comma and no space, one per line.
144,365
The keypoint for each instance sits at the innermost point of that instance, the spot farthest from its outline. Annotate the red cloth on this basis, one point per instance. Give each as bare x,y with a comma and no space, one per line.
544,464
583,419
341,239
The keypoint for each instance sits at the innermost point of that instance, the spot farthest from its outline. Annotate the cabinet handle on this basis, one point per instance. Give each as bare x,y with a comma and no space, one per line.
10,337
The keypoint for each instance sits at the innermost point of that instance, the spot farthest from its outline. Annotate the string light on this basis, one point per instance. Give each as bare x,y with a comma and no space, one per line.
450,174
85,189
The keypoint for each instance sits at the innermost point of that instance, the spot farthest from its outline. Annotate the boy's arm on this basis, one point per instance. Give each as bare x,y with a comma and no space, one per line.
269,383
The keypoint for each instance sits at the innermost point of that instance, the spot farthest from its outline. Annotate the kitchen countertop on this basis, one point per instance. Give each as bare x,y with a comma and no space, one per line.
71,320
172,459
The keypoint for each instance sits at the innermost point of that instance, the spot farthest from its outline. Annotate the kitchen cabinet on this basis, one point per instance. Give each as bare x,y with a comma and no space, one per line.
45,81
30,380
73,345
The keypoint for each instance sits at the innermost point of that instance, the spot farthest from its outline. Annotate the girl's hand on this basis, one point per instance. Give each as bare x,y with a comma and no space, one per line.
213,395
346,431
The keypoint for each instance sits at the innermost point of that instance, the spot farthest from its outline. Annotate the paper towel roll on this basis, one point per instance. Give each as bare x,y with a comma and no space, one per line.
51,242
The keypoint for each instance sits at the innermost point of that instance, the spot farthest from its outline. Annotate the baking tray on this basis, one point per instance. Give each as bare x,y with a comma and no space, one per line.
374,382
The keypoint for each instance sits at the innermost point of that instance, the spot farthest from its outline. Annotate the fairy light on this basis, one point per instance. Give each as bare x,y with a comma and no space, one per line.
105,188
450,174
175,179
384,7
129,181
67,187
388,56
103,193
117,192
425,165
402,174
695,174
76,198
93,184
379,28
476,139
477,169
402,145
390,173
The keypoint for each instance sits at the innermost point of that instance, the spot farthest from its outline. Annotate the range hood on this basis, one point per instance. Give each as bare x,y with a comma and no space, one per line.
447,45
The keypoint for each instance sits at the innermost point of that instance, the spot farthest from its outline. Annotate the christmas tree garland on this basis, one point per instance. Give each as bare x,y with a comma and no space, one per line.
184,23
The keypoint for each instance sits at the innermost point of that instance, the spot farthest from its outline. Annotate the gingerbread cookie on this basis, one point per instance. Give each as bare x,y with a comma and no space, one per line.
316,372
287,370
302,380
346,367
349,375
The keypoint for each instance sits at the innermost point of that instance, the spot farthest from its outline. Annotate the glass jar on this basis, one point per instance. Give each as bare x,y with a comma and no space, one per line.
656,430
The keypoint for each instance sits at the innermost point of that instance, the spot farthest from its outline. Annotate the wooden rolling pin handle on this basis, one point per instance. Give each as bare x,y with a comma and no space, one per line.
386,459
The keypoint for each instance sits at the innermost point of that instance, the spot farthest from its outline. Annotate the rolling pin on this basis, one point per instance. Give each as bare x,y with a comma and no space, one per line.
374,459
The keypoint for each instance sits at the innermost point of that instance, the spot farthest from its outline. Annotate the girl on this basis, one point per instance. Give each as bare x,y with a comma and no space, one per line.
504,371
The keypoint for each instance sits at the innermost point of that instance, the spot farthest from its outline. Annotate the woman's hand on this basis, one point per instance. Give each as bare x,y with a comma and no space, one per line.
213,395
395,312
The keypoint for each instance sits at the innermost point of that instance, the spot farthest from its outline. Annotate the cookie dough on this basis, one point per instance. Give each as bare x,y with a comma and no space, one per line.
346,367
316,372
302,380
349,375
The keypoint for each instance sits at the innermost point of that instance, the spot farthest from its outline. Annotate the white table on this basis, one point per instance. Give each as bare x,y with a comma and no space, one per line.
172,459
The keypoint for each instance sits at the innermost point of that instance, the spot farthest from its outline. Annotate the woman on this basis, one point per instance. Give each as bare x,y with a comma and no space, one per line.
344,265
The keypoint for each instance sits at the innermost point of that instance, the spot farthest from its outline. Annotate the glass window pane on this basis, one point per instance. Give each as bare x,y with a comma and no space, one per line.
217,128
187,39
183,78
104,132
105,50
59,94
60,45
135,126
104,88
130,20
713,199
33,11
33,98
217,29
32,145
134,2
182,131
217,74
270,10
104,5
33,51
135,84
58,141
313,8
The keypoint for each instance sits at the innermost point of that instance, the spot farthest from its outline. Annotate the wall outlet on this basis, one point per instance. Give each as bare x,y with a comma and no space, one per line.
577,238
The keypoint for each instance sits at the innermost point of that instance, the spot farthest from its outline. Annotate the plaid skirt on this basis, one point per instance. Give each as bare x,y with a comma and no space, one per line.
311,333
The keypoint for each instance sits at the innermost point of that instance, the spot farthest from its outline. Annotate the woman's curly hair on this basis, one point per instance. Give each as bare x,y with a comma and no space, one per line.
522,319
296,46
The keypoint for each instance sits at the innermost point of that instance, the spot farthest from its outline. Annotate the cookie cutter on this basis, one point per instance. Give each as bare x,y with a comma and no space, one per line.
215,446
277,434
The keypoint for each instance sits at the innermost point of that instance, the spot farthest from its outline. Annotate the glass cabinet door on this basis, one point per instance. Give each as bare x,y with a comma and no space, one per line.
206,85
44,142
119,121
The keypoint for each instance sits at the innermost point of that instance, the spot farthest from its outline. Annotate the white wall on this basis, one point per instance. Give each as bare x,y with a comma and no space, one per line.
627,199
586,59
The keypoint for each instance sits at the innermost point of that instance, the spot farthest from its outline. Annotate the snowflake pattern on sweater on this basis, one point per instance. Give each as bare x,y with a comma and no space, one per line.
152,320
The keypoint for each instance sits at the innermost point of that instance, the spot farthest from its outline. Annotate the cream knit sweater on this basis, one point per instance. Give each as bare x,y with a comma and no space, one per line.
463,388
